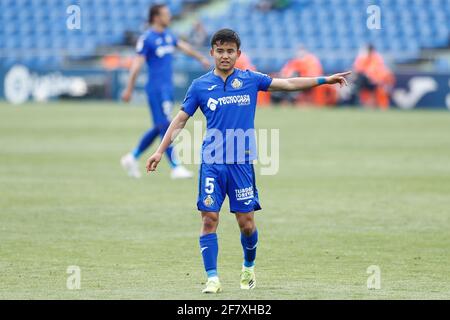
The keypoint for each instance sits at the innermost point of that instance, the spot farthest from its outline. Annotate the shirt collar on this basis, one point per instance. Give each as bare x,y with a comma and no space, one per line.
220,79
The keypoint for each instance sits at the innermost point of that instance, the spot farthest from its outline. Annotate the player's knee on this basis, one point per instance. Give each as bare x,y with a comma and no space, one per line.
209,223
247,226
248,229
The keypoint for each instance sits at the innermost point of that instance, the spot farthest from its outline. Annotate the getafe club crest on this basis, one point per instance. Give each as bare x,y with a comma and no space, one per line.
208,201
236,84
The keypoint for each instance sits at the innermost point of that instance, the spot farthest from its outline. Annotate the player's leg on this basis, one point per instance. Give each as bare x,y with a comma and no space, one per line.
212,186
209,247
249,237
162,118
178,170
154,103
208,241
145,141
244,201
130,161
249,241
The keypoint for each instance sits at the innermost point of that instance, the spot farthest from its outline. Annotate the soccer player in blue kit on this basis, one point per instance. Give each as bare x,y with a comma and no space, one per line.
156,47
227,98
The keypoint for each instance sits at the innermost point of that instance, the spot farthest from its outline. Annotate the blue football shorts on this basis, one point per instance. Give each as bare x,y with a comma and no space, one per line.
160,102
235,180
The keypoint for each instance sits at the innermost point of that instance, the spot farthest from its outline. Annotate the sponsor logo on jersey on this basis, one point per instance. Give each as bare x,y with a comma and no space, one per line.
244,193
212,104
208,201
161,51
240,100
236,83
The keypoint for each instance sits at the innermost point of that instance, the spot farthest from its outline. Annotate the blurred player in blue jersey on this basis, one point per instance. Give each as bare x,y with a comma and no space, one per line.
156,47
227,98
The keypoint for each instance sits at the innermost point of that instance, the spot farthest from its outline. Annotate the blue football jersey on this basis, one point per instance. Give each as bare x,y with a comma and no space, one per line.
229,107
158,50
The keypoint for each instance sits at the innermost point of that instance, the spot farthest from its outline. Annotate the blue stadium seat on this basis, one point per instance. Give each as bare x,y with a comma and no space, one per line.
325,25
41,24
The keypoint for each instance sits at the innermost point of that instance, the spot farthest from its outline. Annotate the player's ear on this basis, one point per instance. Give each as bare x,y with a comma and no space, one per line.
211,52
239,53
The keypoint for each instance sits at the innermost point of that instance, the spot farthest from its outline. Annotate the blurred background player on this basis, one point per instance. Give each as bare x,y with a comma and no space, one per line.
156,47
374,80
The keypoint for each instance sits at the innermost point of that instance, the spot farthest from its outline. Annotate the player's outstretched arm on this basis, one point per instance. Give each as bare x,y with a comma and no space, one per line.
187,49
136,67
175,127
303,83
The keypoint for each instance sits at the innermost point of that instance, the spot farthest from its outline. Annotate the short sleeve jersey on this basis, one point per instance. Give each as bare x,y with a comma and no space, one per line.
158,48
229,107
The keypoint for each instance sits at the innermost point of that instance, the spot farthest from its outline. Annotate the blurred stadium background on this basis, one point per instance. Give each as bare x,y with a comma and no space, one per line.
412,39
355,188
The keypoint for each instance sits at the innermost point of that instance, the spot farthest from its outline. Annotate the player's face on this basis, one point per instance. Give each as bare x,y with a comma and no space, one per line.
225,55
164,17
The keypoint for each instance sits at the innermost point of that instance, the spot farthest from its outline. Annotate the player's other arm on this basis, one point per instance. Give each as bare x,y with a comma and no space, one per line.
136,67
175,127
303,83
188,50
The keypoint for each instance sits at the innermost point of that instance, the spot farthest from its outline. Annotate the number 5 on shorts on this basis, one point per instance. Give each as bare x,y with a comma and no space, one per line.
209,185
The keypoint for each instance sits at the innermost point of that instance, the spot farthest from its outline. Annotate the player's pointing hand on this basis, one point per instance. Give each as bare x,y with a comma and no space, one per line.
153,162
339,78
126,95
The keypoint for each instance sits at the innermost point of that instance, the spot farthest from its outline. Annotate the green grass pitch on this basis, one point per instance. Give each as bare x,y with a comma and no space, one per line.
355,188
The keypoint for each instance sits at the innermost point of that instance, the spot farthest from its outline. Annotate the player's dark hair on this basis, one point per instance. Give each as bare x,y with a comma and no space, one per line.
225,35
154,11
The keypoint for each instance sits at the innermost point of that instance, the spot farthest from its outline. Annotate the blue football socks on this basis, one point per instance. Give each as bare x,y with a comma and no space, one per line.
210,249
249,244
